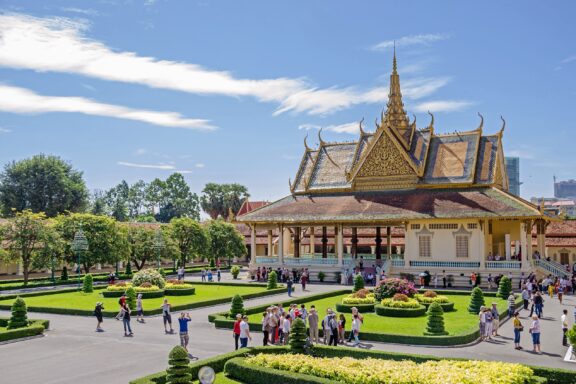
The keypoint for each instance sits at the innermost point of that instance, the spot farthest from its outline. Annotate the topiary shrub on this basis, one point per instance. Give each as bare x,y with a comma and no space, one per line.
476,300
88,283
390,286
272,280
19,318
212,263
235,271
151,276
131,298
361,293
237,306
162,272
64,275
322,276
358,283
297,336
504,288
435,323
571,336
400,297
430,294
178,372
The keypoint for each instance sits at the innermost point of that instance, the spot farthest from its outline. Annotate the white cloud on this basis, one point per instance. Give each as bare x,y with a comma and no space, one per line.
5,130
165,167
22,100
568,59
141,151
442,106
81,11
411,40
199,165
351,128
523,154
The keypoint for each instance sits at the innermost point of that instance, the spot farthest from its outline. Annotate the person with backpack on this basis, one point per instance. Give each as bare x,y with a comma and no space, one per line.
360,317
289,284
121,303
98,314
126,321
356,329
495,319
488,328
166,316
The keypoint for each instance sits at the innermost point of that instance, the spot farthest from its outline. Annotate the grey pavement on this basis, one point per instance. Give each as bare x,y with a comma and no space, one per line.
72,352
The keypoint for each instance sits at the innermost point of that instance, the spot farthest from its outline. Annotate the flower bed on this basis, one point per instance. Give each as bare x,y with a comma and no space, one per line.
391,286
426,300
400,308
147,292
362,299
179,289
349,370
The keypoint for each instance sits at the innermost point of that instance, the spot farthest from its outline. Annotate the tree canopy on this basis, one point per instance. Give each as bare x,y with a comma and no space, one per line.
42,184
219,199
191,237
225,240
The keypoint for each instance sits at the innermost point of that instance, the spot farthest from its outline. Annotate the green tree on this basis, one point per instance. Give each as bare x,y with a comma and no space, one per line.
217,200
141,240
19,318
297,336
476,300
177,200
235,271
117,201
358,282
42,184
31,240
225,240
237,306
435,323
64,275
131,298
98,203
88,283
136,199
272,280
504,288
106,239
178,372
191,237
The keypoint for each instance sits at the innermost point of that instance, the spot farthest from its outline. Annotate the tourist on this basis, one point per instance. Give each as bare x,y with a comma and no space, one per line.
304,280
482,323
355,312
356,329
473,279
313,324
564,322
209,275
444,278
489,327
538,304
511,304
346,276
286,323
333,325
495,319
303,313
139,309
203,274
517,329
273,321
218,274
126,321
244,332
265,326
535,332
183,323
560,292
526,296
435,280
326,326
289,284
341,328
490,281
121,303
166,316
98,314
236,330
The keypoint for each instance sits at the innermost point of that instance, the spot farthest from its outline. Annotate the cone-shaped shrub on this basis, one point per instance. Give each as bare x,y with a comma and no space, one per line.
64,275
178,372
297,336
237,306
476,301
128,271
131,298
504,288
212,263
19,318
358,282
272,280
435,323
235,271
88,283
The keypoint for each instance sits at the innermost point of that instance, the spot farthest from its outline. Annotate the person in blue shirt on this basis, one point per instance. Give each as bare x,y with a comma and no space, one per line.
183,321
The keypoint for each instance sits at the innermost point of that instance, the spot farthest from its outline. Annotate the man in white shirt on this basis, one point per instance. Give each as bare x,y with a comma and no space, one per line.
244,332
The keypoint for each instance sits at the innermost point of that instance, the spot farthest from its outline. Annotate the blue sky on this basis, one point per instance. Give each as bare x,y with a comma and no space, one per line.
225,91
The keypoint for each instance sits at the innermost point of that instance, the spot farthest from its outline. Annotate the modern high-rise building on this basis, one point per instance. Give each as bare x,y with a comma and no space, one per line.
565,189
513,170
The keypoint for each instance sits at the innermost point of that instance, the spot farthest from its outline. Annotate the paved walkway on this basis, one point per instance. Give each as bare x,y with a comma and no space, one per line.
72,352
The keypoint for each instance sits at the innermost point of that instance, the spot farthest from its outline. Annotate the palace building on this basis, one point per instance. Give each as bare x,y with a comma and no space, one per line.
446,194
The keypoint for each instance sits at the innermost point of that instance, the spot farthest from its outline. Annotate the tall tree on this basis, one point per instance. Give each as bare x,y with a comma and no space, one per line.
30,239
225,240
107,241
191,237
218,200
136,198
42,184
142,239
177,200
117,201
98,203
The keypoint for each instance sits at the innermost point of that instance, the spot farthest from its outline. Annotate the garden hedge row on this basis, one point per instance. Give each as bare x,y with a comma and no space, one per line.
145,295
48,283
180,292
446,307
400,312
35,328
238,369
347,308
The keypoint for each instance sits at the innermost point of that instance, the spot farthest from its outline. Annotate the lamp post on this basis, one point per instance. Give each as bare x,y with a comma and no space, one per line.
158,246
79,245
52,270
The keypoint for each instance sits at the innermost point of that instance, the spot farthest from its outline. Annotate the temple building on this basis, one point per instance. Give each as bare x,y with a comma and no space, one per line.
447,194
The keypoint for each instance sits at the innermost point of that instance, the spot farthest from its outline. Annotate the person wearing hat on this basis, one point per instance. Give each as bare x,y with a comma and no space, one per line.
495,319
139,309
236,330
482,318
98,314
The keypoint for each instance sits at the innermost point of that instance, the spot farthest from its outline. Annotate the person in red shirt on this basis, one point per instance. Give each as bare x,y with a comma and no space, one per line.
236,330
122,303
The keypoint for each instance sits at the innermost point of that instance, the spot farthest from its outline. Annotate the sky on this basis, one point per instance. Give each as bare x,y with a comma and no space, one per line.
226,91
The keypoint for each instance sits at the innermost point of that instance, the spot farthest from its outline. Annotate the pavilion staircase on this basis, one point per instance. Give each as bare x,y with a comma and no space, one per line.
544,268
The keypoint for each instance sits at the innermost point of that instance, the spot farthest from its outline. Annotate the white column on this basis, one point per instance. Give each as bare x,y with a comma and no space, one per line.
312,240
270,246
508,245
524,247
339,245
281,244
253,243
482,246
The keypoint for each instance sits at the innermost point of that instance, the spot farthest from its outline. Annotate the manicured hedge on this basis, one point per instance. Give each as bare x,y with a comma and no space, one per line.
400,312
179,292
35,328
447,307
347,308
40,283
145,294
238,369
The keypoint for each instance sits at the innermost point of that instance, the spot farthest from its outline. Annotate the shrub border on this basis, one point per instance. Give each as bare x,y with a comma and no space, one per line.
179,292
35,328
145,294
238,369
347,308
400,312
446,307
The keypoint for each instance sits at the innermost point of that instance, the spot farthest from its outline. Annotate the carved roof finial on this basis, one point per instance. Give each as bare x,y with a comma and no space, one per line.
431,125
414,122
320,137
481,122
361,130
306,144
503,125
394,66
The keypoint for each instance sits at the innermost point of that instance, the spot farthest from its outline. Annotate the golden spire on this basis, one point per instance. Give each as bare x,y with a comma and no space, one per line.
396,116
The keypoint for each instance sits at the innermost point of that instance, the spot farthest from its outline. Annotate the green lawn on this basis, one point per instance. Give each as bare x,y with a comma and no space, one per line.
456,322
87,301
3,329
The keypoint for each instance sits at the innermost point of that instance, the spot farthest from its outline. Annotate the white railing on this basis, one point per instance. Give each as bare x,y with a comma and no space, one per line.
397,262
445,264
503,264
552,267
